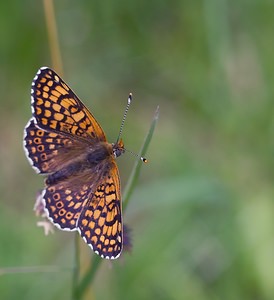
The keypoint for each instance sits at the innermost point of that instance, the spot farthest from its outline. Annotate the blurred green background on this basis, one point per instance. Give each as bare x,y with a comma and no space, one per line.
202,215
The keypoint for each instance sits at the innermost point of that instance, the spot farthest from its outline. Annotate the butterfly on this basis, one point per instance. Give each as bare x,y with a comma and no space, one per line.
64,142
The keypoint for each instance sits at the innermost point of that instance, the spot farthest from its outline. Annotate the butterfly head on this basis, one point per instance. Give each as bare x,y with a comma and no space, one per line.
118,148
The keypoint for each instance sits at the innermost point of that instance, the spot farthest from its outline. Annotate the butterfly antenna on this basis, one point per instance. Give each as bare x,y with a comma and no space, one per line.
129,99
143,159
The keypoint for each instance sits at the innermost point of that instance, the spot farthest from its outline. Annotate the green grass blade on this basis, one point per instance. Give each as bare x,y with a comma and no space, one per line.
133,178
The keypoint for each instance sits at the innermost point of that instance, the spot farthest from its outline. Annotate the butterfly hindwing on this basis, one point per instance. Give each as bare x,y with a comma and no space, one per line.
64,204
91,206
100,223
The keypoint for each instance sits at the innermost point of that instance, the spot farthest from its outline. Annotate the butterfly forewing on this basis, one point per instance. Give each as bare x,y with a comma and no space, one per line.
64,141
56,108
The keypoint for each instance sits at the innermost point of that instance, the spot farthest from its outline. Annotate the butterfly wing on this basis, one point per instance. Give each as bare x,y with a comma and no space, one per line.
56,108
100,223
45,150
64,203
61,126
91,204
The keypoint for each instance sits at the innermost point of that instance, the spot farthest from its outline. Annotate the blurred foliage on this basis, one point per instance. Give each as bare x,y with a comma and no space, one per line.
202,216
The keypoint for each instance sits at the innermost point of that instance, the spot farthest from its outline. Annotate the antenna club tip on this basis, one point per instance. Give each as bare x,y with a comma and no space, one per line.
129,98
144,160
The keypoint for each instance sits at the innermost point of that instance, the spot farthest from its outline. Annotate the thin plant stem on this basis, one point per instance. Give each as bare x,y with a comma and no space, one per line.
56,58
88,277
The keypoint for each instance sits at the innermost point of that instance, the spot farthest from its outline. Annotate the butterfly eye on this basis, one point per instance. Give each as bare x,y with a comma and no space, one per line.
117,150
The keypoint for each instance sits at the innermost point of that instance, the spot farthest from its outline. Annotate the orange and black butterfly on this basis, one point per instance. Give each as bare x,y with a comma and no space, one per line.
64,141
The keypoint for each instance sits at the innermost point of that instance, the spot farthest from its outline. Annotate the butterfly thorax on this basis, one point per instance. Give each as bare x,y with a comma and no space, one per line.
93,159
118,148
